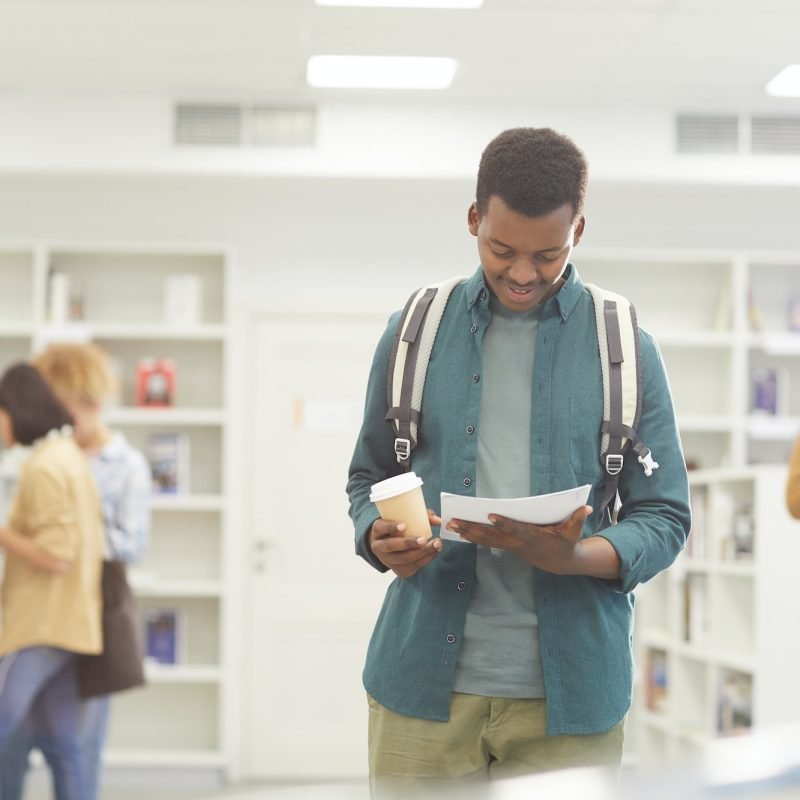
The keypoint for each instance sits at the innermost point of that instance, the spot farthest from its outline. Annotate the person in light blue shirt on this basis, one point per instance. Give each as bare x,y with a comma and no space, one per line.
510,653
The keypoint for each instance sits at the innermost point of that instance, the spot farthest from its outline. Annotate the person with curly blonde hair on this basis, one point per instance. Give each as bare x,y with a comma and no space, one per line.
81,377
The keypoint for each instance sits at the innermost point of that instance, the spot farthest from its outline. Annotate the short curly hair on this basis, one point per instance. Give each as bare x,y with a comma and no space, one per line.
77,372
534,171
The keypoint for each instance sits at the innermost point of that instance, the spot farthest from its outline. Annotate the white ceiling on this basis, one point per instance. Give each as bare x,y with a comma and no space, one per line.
689,55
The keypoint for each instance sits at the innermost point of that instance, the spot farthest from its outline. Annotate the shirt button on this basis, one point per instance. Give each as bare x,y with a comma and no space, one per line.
470,429
461,586
483,295
451,638
467,481
476,378
474,328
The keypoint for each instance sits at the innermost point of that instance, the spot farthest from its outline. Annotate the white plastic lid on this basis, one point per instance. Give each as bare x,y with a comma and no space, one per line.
391,487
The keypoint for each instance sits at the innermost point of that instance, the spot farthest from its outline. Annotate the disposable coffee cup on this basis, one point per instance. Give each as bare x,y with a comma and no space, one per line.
400,499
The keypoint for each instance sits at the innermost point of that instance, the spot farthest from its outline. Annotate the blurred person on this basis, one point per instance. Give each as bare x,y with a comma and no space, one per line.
510,653
51,592
81,377
793,482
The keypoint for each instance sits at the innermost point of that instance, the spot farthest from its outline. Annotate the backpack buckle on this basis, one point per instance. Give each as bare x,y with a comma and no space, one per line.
614,463
648,464
402,449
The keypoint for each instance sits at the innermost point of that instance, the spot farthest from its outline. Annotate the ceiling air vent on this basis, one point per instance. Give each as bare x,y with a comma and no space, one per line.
281,127
208,124
776,136
238,125
707,133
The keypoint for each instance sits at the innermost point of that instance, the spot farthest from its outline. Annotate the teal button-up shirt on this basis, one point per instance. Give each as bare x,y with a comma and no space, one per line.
585,624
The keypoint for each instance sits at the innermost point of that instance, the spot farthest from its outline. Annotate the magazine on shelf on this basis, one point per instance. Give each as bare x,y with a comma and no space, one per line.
169,456
164,631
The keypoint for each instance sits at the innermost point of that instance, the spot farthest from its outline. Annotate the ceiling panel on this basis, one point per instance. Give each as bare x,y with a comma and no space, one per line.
690,52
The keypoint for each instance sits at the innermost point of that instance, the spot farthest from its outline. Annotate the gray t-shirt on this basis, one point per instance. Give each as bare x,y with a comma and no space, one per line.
499,654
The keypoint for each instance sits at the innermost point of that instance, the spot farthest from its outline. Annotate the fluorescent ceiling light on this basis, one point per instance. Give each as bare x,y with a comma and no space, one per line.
786,83
404,3
380,72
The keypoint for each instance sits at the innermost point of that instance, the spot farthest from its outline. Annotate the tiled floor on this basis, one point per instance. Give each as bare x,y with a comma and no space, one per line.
319,791
147,787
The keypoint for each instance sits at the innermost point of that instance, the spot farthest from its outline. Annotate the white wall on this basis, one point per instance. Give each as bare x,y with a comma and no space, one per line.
133,133
317,240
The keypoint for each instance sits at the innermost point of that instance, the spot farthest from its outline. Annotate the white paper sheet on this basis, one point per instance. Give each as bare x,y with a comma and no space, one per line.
544,509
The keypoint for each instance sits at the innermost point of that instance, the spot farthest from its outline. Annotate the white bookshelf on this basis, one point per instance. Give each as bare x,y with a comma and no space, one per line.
181,719
699,305
721,614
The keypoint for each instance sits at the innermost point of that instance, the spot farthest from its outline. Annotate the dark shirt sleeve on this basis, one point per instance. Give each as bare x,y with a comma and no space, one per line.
373,458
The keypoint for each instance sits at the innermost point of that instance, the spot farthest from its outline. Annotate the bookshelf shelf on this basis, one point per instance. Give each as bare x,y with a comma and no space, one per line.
167,589
187,502
120,298
775,343
705,422
12,331
179,588
199,333
159,673
772,428
166,416
189,759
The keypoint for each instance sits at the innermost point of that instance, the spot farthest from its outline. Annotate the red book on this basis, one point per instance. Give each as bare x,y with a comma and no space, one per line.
155,382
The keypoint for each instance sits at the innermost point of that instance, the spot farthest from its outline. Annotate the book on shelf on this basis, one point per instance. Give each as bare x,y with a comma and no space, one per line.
734,703
65,301
769,391
155,382
695,622
183,299
168,454
743,533
753,312
164,631
696,544
723,310
656,680
793,313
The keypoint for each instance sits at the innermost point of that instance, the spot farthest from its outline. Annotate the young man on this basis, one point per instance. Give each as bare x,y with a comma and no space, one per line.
510,653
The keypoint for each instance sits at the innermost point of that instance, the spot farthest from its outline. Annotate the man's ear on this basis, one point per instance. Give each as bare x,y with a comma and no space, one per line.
473,219
579,226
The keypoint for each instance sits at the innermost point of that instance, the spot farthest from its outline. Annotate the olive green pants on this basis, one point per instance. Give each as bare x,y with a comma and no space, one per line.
485,738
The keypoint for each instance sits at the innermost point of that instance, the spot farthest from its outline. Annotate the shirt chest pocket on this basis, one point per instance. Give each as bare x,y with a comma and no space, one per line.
585,420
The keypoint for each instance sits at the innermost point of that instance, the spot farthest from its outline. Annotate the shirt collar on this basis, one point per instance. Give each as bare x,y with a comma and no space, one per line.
570,292
476,288
566,297
114,448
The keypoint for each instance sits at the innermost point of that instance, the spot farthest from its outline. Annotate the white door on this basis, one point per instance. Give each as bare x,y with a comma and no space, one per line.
311,602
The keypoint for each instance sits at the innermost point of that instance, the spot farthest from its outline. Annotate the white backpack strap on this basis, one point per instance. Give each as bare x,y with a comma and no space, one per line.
408,363
618,339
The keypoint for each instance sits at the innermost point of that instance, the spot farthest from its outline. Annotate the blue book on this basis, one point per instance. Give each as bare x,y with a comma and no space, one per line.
162,636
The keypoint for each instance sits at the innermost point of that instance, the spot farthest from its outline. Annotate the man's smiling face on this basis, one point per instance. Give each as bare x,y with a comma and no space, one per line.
523,257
